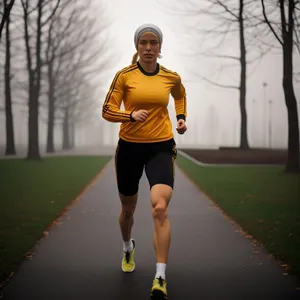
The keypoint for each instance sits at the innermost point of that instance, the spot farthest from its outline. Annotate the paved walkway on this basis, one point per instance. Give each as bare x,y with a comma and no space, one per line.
209,258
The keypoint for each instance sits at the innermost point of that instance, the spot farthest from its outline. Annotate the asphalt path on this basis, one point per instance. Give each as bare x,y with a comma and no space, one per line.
209,258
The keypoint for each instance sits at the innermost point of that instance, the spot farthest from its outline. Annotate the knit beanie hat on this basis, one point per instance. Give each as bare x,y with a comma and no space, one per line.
147,28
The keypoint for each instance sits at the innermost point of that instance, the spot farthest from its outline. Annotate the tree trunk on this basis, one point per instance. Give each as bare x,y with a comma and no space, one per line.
244,137
51,110
7,9
34,86
33,126
292,165
10,139
291,103
66,131
73,135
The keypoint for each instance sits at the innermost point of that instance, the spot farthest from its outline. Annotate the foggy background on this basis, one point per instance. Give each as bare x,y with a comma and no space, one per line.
213,112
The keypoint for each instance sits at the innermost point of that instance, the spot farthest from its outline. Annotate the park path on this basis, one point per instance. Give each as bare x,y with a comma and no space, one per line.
209,257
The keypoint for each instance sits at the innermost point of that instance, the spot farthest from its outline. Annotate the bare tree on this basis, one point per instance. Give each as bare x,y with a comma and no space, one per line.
82,110
34,66
10,56
56,34
73,48
10,140
76,103
230,19
2,80
7,6
286,32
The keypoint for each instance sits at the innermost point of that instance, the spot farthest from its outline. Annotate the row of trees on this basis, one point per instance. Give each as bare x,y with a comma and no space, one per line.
259,26
54,53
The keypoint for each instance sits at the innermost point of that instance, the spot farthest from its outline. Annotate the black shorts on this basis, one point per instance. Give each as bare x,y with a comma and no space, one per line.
131,159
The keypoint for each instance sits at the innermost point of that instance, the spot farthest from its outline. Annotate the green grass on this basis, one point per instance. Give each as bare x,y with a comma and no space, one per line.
33,195
264,201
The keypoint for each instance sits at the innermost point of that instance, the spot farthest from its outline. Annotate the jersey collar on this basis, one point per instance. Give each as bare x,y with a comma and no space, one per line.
147,73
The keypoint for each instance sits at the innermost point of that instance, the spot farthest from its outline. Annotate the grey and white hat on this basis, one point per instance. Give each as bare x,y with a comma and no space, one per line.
148,27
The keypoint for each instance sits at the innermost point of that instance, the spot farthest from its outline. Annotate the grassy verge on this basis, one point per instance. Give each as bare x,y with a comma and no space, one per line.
264,201
33,194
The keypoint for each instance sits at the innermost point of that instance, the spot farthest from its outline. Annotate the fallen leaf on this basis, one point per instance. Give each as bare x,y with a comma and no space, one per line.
285,266
28,255
55,223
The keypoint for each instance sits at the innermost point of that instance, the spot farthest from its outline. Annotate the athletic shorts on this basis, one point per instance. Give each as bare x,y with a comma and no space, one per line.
132,158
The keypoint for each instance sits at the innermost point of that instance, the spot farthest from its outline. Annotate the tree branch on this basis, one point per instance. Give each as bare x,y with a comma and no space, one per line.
7,10
227,9
216,83
51,15
268,22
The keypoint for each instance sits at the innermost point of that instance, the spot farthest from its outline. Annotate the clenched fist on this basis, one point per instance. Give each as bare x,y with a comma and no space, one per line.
140,115
181,126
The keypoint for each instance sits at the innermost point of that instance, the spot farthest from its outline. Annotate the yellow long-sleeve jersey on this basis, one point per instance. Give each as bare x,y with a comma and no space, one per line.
149,91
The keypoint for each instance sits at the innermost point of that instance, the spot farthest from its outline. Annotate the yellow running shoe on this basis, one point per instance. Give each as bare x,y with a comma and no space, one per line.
128,264
159,289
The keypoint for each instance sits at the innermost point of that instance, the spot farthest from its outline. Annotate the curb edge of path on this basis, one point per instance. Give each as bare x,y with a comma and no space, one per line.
202,164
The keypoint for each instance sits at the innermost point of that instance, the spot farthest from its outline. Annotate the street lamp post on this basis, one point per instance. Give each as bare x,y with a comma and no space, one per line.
253,122
270,123
265,84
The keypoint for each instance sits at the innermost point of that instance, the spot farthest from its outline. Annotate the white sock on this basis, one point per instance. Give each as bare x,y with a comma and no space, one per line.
127,246
161,270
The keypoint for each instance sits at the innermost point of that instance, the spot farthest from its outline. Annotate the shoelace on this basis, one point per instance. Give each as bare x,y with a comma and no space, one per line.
160,281
127,256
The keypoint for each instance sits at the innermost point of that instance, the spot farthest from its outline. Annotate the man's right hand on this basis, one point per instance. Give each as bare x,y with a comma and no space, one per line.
140,115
